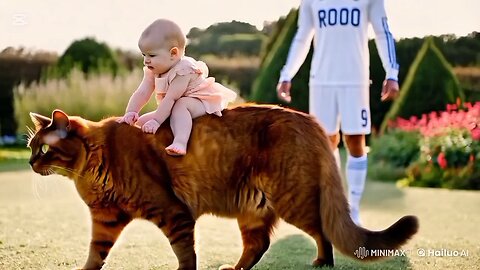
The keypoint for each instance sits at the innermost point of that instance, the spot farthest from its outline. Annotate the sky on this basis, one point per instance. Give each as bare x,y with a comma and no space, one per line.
52,25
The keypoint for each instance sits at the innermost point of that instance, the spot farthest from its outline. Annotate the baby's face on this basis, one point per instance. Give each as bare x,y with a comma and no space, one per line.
156,58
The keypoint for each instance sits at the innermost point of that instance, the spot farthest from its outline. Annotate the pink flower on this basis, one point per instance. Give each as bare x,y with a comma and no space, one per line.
442,160
475,134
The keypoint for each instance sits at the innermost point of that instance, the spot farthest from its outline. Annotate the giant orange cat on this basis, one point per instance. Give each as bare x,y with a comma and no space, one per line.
255,163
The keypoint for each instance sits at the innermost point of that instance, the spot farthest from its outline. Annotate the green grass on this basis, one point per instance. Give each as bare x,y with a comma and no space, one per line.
14,158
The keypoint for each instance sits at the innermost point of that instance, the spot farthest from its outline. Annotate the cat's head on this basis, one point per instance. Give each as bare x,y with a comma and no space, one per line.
58,144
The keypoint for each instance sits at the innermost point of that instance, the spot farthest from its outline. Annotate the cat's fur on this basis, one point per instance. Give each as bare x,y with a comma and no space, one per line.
255,163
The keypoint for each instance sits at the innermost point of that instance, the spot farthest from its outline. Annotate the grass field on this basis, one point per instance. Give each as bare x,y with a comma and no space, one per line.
14,158
45,225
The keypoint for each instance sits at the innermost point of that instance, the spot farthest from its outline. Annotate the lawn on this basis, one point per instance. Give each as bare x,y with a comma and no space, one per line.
45,225
14,158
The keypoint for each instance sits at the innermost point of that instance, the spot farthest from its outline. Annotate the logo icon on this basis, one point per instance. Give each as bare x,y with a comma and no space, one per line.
361,253
19,19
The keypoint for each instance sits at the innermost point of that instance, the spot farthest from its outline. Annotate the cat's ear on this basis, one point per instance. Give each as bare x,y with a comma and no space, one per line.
39,121
61,123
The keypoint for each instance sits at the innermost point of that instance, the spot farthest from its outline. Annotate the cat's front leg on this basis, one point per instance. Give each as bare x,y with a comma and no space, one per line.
106,227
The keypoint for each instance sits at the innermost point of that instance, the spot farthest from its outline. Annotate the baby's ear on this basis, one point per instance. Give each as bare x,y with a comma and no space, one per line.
39,121
175,51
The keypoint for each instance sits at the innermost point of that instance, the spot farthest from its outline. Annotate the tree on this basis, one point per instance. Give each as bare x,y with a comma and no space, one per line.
225,39
429,86
90,56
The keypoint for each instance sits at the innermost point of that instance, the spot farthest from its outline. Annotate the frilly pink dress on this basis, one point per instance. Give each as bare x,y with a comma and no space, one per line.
214,96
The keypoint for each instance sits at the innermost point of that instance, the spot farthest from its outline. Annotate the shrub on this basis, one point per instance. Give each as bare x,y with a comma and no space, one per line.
429,86
88,55
449,148
398,148
392,153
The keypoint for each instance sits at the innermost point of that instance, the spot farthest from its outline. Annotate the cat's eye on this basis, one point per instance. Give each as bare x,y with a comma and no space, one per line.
44,148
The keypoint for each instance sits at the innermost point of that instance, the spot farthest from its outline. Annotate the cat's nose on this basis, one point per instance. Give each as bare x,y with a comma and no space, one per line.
31,161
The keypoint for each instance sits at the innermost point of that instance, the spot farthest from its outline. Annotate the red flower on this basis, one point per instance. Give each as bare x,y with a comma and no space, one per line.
475,134
442,160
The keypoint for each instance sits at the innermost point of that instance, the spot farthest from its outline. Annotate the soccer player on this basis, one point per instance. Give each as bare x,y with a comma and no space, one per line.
339,75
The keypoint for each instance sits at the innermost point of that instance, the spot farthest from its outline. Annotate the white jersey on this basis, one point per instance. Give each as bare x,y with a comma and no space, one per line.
340,32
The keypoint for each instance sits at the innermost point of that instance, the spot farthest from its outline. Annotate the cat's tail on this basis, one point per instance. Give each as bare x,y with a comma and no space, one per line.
350,239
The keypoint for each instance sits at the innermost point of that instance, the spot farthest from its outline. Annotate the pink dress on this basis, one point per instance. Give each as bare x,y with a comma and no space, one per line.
214,96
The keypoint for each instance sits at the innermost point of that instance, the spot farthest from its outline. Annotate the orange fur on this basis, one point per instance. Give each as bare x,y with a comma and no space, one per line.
255,163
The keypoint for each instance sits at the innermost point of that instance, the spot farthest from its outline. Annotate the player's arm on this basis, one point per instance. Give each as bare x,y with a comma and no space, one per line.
384,39
386,48
301,42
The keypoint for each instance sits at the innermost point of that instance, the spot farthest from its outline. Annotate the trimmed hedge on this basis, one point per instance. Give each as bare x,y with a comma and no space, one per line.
429,86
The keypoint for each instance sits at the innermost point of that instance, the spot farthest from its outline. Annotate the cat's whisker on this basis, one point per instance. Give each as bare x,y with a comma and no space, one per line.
39,186
30,135
66,170
35,192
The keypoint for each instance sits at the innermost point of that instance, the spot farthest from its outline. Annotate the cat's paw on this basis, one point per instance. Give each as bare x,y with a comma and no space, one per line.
87,268
322,263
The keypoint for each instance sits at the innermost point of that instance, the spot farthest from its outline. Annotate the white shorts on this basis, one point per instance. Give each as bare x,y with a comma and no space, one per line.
341,107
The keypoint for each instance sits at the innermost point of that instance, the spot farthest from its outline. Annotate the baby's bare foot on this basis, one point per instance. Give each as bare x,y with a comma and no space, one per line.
176,149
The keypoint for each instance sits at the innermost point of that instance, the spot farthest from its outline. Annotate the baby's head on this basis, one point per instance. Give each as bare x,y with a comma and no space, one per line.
162,43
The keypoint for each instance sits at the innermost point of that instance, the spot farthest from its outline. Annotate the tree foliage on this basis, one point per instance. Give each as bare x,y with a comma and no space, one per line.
429,86
90,56
225,39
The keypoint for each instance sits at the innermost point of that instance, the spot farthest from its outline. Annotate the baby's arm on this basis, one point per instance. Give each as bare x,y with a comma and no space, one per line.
176,89
138,99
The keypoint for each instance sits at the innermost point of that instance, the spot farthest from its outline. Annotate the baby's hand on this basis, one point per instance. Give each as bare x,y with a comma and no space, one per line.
129,118
150,126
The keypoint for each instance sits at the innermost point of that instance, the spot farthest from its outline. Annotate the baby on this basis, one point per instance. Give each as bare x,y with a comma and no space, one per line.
182,89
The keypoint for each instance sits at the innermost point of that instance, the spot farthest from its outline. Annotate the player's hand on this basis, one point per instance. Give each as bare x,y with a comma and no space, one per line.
390,90
129,118
150,126
283,91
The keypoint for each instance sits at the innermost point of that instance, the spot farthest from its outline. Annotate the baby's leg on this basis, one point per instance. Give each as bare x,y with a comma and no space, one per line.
145,118
184,110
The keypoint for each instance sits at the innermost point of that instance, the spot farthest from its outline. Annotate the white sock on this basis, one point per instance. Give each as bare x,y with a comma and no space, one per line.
336,154
356,173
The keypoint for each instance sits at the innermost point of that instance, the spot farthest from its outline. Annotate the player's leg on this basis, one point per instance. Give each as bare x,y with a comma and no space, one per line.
355,124
184,110
334,142
323,105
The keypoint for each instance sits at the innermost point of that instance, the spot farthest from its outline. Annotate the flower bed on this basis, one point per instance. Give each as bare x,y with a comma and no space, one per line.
449,147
